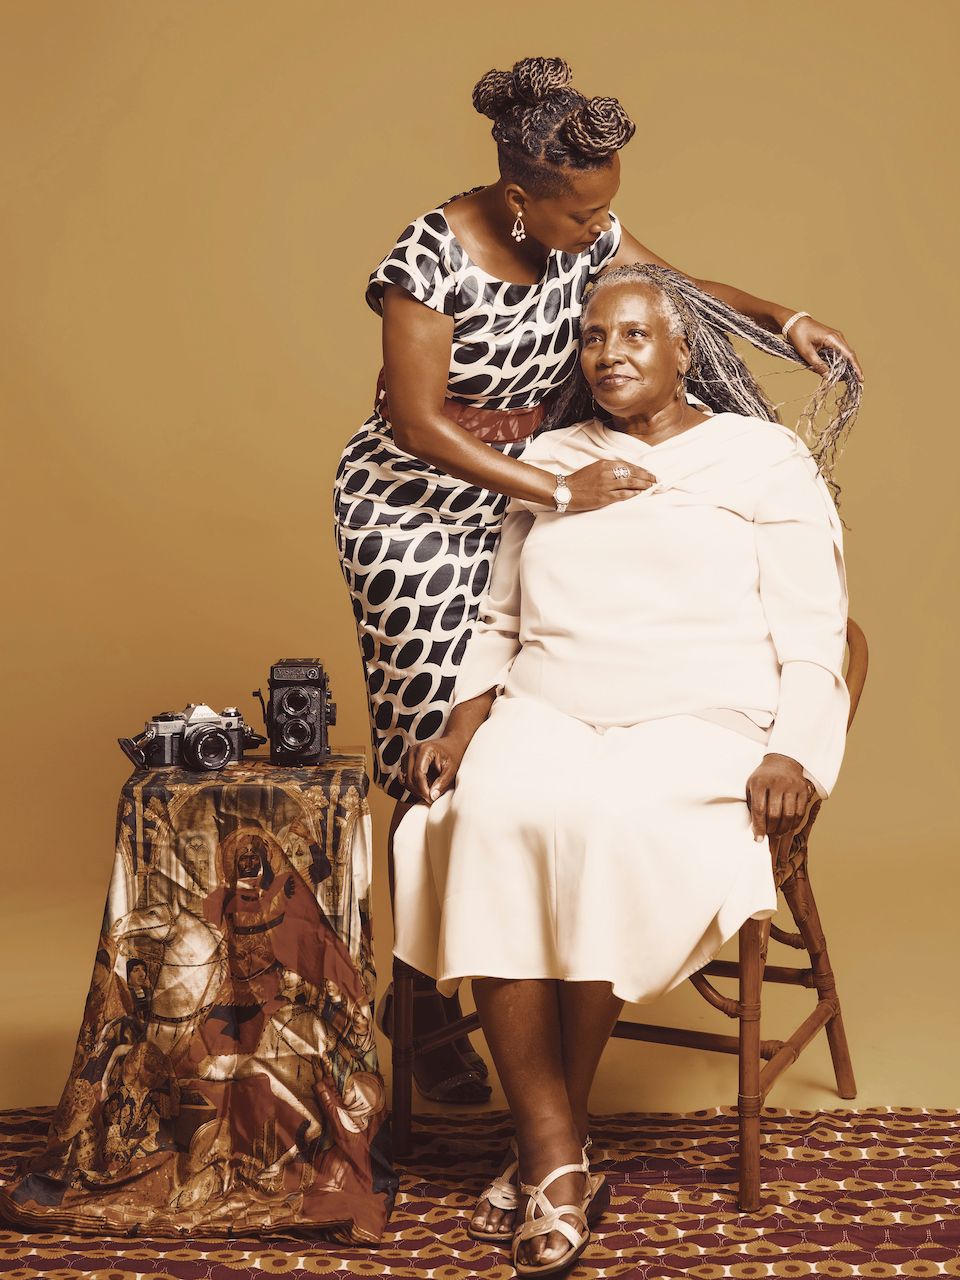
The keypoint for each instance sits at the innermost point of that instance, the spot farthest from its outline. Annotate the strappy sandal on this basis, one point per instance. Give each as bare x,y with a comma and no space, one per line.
502,1194
542,1218
596,1191
467,1052
464,1088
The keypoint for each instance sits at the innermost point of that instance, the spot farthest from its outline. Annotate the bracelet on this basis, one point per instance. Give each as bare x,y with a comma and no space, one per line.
797,315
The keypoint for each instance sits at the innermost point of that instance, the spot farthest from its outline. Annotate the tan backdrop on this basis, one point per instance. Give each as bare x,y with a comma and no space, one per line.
193,194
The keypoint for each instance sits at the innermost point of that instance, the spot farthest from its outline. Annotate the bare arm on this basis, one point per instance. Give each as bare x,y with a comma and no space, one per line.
806,335
416,360
431,767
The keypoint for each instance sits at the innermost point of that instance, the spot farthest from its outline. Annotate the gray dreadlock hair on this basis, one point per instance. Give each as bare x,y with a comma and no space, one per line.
718,376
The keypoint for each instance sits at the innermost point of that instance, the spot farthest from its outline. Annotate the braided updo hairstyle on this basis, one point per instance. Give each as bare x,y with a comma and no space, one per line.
542,125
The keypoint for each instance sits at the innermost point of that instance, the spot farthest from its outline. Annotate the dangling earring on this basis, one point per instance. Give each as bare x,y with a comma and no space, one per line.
518,231
681,385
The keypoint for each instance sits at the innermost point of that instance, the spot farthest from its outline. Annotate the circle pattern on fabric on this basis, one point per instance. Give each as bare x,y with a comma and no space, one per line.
416,586
512,344
416,545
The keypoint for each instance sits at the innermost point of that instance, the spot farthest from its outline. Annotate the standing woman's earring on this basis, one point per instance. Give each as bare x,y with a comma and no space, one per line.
518,232
681,385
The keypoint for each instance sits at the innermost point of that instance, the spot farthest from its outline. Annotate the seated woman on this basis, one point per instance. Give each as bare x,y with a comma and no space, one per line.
653,688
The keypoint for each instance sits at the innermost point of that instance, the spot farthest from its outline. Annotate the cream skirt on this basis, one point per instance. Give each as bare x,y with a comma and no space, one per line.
623,855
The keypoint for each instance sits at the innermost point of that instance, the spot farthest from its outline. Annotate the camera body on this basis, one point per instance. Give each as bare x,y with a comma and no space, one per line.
299,711
195,738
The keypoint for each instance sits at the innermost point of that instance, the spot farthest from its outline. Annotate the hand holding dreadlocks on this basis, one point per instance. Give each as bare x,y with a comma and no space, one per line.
809,337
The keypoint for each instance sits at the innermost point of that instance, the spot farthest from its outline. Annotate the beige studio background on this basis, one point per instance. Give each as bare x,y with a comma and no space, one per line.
192,196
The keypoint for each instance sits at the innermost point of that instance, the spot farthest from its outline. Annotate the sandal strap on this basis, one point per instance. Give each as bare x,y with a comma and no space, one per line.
530,1190
542,1217
536,1195
555,1220
592,1185
502,1193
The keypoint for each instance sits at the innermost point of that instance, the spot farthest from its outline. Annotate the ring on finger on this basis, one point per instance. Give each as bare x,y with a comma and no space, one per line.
621,473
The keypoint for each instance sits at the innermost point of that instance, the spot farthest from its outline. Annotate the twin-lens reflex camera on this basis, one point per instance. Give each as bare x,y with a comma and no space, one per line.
299,711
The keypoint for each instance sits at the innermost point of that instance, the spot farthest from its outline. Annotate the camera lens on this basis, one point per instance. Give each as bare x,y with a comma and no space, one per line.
295,702
295,734
206,748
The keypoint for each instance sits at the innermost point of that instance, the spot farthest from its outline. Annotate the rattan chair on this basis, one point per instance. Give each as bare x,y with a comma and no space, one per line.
791,875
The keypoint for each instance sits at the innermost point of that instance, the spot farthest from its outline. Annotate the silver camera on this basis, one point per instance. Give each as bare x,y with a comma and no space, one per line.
194,738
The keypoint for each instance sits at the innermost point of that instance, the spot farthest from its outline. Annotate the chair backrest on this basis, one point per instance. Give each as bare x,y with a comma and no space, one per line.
857,661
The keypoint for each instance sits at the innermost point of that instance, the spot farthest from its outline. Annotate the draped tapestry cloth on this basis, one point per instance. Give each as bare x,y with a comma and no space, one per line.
225,1078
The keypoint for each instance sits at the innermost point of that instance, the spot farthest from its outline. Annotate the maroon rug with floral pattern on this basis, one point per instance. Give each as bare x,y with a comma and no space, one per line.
864,1193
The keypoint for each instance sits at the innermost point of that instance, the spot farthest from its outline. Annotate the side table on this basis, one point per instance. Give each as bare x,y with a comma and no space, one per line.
225,1079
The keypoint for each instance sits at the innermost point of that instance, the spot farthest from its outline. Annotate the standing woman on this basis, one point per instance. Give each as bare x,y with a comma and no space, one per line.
481,299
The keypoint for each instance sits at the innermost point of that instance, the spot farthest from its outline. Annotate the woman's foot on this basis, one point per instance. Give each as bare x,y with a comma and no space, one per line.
543,1190
441,1075
494,1218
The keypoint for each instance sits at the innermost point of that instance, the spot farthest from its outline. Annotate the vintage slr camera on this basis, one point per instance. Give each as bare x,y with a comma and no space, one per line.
195,738
299,711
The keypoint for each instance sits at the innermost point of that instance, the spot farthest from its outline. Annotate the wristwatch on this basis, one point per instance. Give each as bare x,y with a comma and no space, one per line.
561,494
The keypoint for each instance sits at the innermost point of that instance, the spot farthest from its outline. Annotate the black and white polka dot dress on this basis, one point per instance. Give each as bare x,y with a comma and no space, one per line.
416,544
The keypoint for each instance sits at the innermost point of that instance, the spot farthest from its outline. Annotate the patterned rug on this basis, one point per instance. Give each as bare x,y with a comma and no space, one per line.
868,1193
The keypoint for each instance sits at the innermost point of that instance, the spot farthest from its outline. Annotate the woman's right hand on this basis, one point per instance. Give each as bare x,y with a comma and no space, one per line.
430,767
597,486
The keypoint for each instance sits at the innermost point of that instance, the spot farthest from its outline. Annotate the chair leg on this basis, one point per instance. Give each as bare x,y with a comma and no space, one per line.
752,935
799,895
402,1110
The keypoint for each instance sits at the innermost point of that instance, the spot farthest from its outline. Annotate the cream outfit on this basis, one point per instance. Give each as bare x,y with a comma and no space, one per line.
646,656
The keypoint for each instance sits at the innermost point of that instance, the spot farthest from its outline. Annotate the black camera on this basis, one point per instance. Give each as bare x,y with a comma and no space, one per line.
299,711
195,738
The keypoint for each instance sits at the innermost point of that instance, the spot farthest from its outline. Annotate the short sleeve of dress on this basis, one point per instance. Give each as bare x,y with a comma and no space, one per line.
605,248
420,263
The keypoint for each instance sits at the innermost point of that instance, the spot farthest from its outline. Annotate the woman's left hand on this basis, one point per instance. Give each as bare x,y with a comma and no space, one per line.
808,335
430,767
778,795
